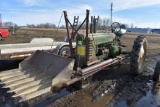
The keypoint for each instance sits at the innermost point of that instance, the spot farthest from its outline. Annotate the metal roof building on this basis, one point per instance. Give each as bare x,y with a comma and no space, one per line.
139,30
155,31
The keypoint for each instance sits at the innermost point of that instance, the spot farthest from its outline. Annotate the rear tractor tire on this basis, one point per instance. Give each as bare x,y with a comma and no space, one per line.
156,75
138,55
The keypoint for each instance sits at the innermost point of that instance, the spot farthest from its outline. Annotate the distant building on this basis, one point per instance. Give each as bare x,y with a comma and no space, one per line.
139,30
155,31
143,30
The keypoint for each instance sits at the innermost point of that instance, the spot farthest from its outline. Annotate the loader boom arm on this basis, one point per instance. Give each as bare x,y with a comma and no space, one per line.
71,37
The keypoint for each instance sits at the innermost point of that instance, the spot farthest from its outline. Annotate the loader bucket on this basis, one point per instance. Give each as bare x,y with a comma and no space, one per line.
37,75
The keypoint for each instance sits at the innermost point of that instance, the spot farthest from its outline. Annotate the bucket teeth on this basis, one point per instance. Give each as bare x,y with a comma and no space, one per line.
28,84
8,72
17,83
12,77
18,79
6,76
35,94
13,73
32,89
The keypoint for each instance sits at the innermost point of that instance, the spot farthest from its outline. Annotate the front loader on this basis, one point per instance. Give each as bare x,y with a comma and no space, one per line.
44,72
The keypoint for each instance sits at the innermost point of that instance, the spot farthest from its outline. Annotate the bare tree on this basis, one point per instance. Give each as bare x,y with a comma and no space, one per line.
99,25
62,27
42,25
7,24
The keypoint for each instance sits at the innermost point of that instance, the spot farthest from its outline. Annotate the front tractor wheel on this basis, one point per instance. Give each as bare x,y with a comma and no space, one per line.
138,55
65,51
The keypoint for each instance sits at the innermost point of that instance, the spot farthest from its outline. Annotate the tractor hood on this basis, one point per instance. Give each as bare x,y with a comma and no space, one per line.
101,38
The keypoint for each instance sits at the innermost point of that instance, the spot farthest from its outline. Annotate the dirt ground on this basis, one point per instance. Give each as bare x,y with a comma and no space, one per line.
111,87
25,35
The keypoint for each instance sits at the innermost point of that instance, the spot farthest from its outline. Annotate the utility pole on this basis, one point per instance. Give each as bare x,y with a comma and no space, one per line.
111,12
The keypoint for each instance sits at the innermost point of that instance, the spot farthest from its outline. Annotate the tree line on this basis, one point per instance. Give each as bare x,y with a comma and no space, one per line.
8,24
41,25
103,23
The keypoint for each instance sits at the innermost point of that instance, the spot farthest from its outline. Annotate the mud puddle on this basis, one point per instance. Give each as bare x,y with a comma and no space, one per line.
115,87
151,99
145,93
87,100
53,97
147,100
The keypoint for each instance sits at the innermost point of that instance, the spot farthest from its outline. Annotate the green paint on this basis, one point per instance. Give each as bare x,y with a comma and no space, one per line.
101,38
95,25
95,42
114,50
79,42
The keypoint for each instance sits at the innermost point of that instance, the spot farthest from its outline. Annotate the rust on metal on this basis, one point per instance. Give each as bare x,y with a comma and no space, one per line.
97,67
87,24
68,34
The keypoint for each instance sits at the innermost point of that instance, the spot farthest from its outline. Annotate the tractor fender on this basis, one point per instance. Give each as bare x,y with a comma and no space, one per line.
60,46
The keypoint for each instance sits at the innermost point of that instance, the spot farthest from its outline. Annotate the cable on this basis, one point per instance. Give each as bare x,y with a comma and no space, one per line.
57,29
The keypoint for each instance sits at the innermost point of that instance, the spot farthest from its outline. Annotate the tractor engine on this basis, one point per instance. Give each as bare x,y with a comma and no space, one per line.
101,46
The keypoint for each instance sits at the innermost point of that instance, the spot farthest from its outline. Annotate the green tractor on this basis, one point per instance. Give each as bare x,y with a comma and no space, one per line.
75,63
94,48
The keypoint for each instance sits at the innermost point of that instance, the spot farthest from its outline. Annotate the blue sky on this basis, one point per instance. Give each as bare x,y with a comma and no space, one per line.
141,13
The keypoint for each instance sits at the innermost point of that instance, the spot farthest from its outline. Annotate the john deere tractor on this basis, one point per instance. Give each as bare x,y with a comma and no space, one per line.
75,64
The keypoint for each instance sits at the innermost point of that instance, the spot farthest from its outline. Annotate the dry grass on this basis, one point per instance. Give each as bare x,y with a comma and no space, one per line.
24,35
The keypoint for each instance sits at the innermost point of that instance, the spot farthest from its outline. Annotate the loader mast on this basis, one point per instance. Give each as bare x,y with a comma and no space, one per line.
69,34
71,37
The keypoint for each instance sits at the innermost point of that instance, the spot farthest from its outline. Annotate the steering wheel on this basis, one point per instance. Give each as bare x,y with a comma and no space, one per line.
115,27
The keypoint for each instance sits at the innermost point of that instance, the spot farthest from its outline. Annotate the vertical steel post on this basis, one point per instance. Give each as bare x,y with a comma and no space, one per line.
95,24
111,12
87,22
91,26
68,34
